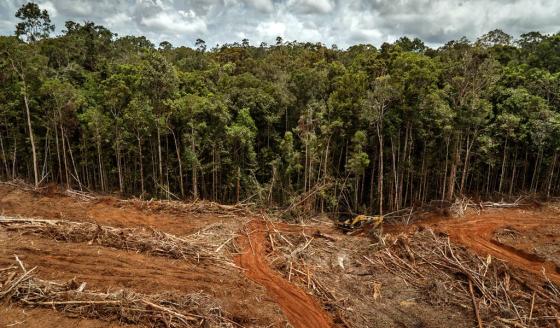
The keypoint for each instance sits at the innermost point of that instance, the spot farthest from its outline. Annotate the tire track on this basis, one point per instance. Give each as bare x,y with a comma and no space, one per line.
301,309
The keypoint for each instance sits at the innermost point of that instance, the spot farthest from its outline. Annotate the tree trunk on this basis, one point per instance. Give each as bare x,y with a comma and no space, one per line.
394,202
99,162
29,126
238,185
77,177
380,177
66,174
464,176
453,171
4,158
45,169
31,138
181,185
194,164
371,188
444,184
141,165
160,164
119,167
502,173
514,171
57,143
14,160
551,174
535,179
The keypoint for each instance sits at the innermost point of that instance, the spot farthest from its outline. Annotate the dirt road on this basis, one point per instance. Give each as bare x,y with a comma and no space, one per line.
301,309
477,233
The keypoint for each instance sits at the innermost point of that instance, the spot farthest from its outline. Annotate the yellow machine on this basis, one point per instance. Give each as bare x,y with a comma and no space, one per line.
371,224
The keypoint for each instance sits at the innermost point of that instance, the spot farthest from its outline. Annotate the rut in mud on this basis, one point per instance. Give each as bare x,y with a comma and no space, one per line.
301,309
477,233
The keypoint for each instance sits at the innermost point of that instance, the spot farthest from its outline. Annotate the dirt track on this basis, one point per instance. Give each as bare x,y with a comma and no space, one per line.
265,298
105,268
301,309
477,233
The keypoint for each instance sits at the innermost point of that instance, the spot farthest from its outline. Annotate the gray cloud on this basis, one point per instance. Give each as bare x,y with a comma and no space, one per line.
342,22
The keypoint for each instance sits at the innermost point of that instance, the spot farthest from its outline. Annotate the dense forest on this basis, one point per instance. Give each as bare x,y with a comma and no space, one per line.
366,129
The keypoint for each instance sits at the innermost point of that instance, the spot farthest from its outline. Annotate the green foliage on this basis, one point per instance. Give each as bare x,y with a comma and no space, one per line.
361,129
36,23
359,160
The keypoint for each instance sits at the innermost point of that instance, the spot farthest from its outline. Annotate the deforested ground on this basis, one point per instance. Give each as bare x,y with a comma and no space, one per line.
70,259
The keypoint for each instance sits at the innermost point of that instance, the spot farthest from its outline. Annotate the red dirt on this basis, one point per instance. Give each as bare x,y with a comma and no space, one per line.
301,308
105,268
477,233
104,210
13,316
255,296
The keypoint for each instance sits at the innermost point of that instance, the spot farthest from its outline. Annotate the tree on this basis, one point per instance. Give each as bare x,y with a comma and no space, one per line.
99,127
36,23
375,106
494,38
242,135
358,162
138,117
26,65
362,129
200,45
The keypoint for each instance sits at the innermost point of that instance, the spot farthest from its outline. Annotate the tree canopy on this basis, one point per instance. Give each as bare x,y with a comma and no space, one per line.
365,129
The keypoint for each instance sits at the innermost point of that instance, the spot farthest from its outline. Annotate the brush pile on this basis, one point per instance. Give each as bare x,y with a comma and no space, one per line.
320,263
350,276
449,274
197,206
18,285
202,247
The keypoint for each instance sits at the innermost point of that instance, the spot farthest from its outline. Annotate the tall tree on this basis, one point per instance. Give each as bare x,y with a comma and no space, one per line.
36,23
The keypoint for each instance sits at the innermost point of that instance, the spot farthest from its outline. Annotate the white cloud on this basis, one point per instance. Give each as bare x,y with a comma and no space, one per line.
50,7
175,23
118,20
312,6
261,5
344,22
270,30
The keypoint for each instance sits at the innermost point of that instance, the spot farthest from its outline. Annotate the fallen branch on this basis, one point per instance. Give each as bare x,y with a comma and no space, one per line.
194,248
167,310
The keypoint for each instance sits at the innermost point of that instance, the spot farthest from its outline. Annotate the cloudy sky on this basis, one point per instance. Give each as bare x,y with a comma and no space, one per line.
341,22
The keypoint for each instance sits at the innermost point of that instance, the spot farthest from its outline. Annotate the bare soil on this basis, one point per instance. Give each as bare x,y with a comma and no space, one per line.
104,268
329,281
540,226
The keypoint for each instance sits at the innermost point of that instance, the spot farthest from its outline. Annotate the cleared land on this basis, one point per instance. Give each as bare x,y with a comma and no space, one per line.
168,264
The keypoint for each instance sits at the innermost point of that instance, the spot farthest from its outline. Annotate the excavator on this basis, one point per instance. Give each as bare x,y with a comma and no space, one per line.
371,225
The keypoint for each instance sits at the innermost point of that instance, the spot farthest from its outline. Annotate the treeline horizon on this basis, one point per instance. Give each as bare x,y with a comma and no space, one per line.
366,129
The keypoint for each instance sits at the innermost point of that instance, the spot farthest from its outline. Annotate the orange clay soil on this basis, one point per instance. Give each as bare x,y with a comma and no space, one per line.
477,233
105,268
301,308
264,299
